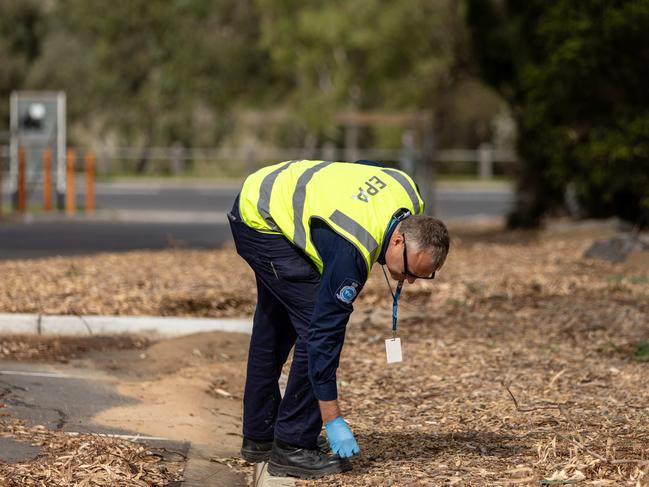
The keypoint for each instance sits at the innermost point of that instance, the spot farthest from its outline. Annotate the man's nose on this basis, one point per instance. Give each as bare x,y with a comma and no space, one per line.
411,279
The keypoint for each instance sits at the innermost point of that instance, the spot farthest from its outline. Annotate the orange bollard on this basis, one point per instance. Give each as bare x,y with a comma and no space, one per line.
90,182
47,179
22,180
70,196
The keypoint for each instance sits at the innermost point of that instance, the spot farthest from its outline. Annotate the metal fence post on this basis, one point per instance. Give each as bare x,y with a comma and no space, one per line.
177,160
485,160
70,192
251,158
47,179
328,152
351,142
90,182
407,156
21,205
425,174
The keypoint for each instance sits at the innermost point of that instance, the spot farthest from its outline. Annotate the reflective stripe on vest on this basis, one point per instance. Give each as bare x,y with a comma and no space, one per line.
412,193
358,231
299,197
264,195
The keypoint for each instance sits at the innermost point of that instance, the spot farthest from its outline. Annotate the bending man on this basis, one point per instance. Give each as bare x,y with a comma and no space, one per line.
311,231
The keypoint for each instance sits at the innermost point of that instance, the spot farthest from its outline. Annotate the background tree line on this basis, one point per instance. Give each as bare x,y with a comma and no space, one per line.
575,74
162,72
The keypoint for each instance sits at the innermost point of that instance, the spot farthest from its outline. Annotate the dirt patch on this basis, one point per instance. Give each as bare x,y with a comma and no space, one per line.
63,349
224,352
174,382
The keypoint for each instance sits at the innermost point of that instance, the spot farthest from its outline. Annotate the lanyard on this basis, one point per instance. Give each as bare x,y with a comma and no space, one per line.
395,301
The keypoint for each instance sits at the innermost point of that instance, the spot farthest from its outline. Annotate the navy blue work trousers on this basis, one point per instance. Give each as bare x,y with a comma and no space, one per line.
287,288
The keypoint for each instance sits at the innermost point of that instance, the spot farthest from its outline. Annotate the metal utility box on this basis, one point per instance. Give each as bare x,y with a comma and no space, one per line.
38,121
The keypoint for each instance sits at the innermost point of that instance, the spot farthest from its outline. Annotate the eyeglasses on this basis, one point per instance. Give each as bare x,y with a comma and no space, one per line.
406,272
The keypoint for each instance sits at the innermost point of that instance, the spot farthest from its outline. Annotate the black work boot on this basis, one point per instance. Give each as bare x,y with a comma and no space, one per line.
259,451
305,464
323,444
256,451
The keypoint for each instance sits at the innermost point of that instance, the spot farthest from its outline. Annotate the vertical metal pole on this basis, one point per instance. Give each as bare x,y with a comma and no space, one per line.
329,152
426,174
177,159
90,182
251,158
13,151
60,158
485,161
407,156
70,196
351,142
47,179
22,180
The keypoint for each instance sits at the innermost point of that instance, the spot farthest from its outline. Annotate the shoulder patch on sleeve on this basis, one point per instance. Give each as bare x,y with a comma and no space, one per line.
348,290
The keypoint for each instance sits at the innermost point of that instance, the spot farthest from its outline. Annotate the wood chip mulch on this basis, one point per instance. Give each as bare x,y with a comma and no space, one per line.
86,460
63,349
524,363
154,283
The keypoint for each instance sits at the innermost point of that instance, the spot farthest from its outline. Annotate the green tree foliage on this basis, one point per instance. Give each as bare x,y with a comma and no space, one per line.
576,75
21,34
150,72
148,69
161,72
365,54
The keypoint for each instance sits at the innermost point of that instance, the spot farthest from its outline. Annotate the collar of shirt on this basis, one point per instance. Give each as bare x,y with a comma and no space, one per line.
386,240
399,215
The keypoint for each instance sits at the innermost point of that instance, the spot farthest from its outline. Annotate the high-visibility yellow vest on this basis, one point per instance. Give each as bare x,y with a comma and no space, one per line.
357,201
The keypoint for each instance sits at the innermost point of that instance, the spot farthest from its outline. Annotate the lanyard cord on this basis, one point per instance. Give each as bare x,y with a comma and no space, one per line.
395,301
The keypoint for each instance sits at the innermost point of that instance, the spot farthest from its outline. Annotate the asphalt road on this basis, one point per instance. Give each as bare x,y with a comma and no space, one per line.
155,216
43,239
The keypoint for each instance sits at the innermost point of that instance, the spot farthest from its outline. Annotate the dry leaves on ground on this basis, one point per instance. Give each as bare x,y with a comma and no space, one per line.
519,369
87,460
63,349
157,283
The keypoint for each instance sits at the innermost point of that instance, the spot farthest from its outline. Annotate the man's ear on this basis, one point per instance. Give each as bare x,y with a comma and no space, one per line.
397,237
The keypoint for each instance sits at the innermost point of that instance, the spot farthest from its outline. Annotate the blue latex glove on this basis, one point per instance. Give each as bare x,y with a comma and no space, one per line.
341,438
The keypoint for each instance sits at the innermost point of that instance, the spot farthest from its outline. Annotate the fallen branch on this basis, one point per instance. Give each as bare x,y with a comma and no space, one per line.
582,447
549,405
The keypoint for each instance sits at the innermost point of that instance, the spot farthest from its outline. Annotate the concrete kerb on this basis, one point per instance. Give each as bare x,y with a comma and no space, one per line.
263,479
78,325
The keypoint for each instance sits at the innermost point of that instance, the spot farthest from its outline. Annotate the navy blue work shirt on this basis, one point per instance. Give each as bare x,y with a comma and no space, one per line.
343,276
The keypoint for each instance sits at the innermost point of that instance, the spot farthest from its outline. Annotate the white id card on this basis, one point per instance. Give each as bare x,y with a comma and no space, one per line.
393,350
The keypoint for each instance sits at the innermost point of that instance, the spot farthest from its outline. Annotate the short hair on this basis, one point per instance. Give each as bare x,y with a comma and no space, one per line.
426,232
